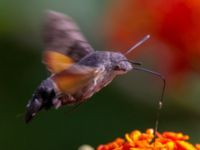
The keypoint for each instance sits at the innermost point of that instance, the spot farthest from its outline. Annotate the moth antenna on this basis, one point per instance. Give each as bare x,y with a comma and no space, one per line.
160,102
137,44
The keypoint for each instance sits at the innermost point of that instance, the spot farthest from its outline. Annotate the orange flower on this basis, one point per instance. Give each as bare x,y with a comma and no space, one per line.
143,141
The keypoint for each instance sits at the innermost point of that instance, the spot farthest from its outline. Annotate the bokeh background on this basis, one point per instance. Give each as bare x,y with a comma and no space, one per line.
130,101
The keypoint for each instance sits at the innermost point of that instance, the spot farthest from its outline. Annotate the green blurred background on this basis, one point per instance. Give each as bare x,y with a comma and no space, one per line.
126,104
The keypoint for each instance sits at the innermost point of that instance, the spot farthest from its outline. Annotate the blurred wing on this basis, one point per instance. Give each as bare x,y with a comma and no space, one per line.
73,78
56,62
62,36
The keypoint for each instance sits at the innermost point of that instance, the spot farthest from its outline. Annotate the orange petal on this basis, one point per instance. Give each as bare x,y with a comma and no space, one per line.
182,145
175,136
197,146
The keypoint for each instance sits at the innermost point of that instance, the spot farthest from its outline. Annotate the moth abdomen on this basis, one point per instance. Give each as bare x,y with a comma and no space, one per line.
42,98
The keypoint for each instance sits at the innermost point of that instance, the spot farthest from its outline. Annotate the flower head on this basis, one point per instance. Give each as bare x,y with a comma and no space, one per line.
143,141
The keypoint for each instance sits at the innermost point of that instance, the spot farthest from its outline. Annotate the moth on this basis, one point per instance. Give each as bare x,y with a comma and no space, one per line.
77,70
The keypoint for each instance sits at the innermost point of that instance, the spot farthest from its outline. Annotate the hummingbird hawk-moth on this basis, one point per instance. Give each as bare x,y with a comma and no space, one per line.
77,70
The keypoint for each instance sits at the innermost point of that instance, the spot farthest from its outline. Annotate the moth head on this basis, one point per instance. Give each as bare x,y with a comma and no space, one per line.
120,63
42,98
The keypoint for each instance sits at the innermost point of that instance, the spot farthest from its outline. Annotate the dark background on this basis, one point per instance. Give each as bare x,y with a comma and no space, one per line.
128,103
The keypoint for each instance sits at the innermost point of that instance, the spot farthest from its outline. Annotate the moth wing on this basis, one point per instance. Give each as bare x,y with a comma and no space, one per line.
56,62
62,37
73,78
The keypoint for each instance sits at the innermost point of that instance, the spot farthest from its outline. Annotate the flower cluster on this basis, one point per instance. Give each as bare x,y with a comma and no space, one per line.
144,141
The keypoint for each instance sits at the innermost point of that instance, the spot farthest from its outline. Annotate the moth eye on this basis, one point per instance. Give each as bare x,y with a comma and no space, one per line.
117,68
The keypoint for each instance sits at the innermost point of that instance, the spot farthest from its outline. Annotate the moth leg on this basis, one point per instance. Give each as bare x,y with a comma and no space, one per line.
67,99
56,103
